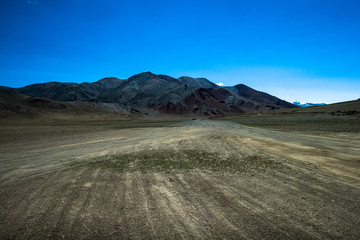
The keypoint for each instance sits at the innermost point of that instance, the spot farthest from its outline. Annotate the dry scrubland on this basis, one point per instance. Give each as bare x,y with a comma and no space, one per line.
284,176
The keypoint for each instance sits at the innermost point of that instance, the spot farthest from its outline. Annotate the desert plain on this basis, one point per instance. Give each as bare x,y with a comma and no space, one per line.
269,176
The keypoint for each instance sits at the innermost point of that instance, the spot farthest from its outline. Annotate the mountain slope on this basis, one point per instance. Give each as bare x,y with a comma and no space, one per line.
14,105
141,90
71,91
198,82
259,97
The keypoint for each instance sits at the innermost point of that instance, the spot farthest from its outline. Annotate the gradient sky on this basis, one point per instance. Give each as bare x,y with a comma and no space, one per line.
306,50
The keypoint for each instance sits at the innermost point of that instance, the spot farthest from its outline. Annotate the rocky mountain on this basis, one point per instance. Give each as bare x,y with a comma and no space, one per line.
146,93
71,91
14,105
259,97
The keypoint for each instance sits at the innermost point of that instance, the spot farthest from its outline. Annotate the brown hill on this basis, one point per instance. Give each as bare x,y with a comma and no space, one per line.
17,106
84,92
184,95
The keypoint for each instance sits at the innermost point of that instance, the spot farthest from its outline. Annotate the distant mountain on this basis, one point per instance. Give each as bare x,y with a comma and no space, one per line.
348,108
148,93
306,104
15,105
71,91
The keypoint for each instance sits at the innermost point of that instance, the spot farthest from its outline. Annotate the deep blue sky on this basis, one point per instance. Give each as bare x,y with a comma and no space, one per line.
306,50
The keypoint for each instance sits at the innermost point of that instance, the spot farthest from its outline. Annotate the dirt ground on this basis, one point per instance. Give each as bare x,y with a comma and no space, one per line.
46,192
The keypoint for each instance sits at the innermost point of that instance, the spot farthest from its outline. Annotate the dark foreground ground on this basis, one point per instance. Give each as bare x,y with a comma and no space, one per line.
201,179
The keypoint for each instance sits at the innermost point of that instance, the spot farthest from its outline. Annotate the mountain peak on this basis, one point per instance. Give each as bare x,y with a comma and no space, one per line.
197,82
148,73
109,79
143,75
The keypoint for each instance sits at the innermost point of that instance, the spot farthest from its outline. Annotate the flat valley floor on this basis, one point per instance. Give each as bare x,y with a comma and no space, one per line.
195,179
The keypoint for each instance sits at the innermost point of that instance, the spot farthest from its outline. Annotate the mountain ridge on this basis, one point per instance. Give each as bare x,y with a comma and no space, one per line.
148,92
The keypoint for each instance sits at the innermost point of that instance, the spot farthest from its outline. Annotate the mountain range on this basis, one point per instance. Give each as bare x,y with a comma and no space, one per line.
148,93
306,104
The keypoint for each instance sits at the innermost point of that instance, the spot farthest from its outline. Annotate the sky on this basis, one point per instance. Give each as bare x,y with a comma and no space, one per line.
306,50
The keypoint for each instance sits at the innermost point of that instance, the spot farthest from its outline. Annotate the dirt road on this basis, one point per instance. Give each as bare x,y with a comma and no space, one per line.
313,195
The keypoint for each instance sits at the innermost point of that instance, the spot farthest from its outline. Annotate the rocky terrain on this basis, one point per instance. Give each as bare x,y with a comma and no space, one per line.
175,179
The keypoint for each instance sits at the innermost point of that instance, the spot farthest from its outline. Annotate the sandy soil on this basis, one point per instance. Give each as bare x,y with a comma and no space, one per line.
314,195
